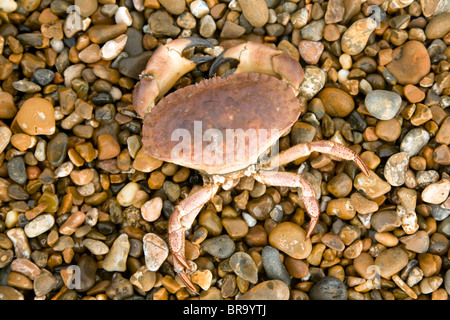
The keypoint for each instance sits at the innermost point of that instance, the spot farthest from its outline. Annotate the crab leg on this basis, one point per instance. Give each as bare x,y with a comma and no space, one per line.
293,180
180,220
260,58
163,70
323,146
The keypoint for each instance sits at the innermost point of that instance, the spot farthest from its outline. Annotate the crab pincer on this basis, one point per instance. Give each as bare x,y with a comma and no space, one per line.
164,69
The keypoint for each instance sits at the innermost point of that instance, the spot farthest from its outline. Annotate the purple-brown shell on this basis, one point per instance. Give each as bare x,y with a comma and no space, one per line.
220,125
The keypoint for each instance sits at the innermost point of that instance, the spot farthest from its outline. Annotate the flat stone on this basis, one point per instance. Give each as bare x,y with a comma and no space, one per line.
418,242
410,63
290,238
36,117
267,290
382,104
244,266
155,251
391,261
329,288
116,258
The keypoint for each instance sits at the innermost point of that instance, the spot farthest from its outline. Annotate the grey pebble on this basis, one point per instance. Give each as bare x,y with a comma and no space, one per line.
273,266
220,247
329,288
414,141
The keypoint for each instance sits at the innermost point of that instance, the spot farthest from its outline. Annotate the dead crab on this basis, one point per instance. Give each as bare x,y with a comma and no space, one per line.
259,96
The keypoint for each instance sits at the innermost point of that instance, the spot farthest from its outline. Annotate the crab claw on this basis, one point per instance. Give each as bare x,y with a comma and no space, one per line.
260,58
164,69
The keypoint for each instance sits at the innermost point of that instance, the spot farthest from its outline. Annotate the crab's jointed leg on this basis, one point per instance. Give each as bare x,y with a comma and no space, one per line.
322,146
293,180
260,58
180,220
165,67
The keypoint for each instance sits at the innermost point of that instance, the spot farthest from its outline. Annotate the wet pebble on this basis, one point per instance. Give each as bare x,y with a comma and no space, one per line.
382,104
329,288
273,266
244,266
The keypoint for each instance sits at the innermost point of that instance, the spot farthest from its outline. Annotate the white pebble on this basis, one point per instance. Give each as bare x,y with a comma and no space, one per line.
39,225
251,221
11,219
343,75
199,8
57,45
8,6
64,170
139,5
115,93
126,195
112,48
123,16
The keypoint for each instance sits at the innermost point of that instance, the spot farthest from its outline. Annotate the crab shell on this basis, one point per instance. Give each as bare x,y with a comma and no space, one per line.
241,115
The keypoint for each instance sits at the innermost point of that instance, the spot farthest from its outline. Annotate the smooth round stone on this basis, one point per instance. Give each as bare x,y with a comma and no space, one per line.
161,24
364,265
151,210
43,76
236,227
438,26
87,7
267,290
10,293
355,38
382,104
108,147
220,247
395,169
384,221
16,170
418,242
255,11
112,48
313,31
8,6
261,207
290,238
337,102
8,108
88,270
314,80
44,284
410,63
414,141
437,192
340,185
439,213
175,7
155,251
101,33
57,149
126,195
273,266
116,258
96,247
39,225
391,261
244,266
36,117
329,288
372,187
297,268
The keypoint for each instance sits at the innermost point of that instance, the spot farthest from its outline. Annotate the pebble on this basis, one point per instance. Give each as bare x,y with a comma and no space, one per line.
414,141
267,290
116,258
410,63
289,238
96,247
151,210
437,192
16,170
126,195
244,267
310,51
391,261
155,251
337,102
395,169
355,38
314,80
8,108
255,11
221,246
329,288
36,117
372,187
39,225
382,104
418,242
112,48
273,266
438,27
44,283
175,7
